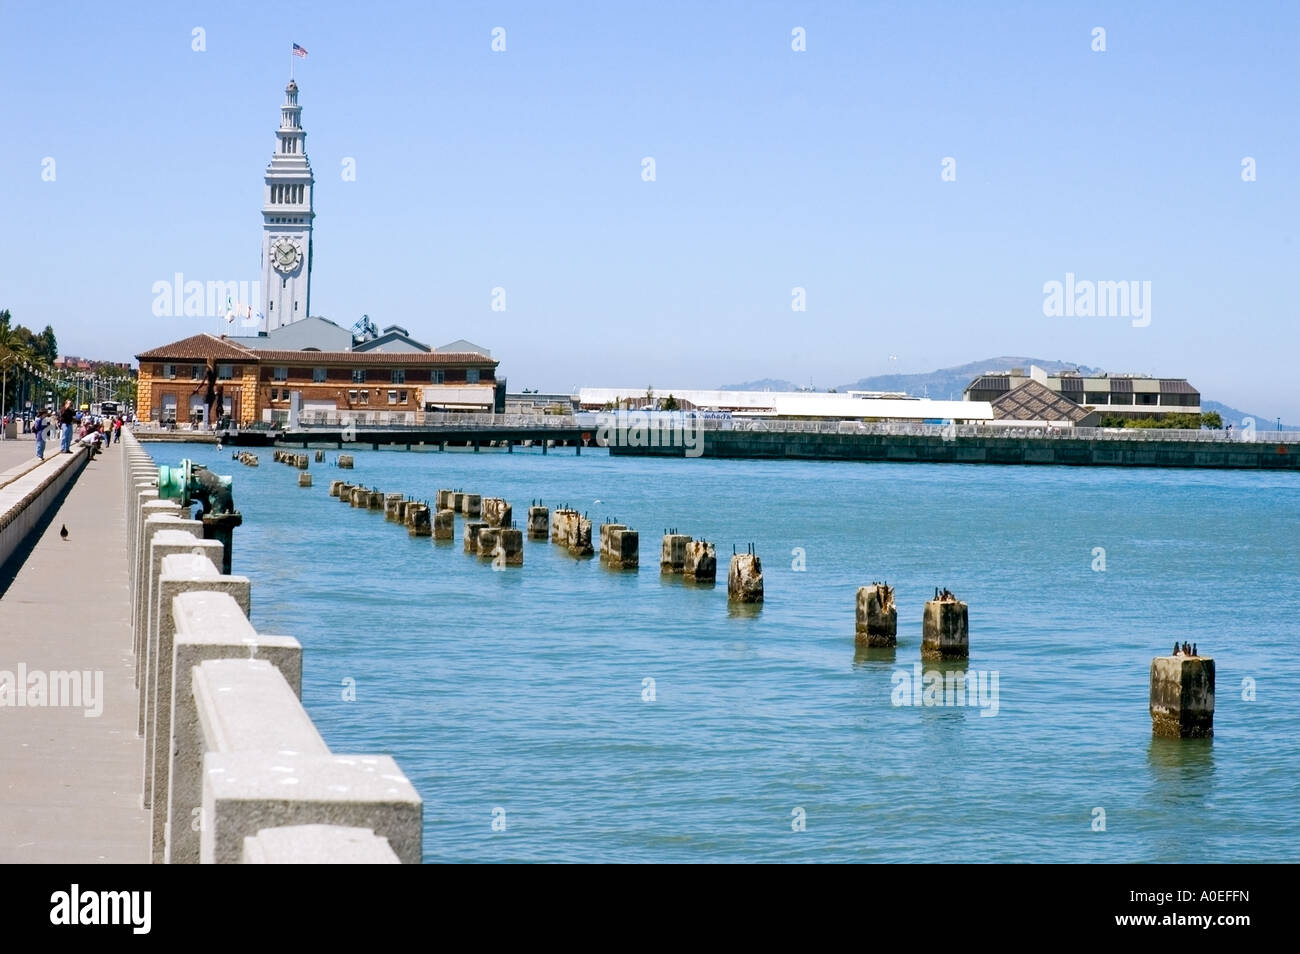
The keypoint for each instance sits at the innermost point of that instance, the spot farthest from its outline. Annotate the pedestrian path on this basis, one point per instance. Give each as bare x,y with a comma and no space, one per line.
70,775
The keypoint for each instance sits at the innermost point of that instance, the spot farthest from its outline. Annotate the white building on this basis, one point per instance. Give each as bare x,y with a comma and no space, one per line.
858,405
287,221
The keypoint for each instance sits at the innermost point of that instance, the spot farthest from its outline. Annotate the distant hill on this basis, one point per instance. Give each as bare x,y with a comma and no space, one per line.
763,384
950,382
1234,417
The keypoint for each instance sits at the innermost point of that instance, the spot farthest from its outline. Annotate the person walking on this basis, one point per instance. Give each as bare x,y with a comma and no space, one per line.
65,422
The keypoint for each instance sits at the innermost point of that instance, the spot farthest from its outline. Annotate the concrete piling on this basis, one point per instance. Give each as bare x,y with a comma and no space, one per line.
345,461
945,629
672,554
443,500
497,512
471,506
605,530
300,461
360,497
320,457
877,616
510,545
376,500
456,502
345,493
623,548
539,519
701,562
390,506
486,541
304,480
401,511
745,579
561,520
470,536
579,541
418,522
444,524
1182,696
334,487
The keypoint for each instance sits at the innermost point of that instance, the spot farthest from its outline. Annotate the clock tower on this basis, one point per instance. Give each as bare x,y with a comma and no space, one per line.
286,221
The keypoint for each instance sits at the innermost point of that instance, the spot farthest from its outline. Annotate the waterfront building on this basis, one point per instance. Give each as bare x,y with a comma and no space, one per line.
1123,395
1034,403
811,405
299,366
262,385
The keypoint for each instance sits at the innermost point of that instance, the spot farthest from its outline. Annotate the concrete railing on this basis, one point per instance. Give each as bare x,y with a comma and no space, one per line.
234,769
27,499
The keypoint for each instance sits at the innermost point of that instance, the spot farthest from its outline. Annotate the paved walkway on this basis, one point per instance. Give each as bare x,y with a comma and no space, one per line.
16,454
70,786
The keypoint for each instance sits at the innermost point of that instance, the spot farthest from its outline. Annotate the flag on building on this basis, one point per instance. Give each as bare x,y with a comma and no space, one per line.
298,51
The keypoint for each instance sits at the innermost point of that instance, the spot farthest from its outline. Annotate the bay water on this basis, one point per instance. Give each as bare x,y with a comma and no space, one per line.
563,711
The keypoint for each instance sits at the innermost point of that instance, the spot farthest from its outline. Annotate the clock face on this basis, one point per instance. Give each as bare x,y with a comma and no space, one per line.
285,255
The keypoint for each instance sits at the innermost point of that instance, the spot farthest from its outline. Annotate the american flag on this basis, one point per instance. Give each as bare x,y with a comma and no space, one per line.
298,51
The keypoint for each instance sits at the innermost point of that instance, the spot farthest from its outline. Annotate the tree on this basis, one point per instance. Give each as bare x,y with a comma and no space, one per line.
1212,419
669,404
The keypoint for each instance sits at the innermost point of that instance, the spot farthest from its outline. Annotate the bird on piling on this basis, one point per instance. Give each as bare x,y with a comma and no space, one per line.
63,531
1194,652
1177,650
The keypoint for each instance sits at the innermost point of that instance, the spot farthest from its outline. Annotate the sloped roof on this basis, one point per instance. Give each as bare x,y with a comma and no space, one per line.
990,382
1033,401
198,347
408,359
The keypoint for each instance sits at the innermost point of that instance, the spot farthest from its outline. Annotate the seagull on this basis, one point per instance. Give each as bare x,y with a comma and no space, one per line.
63,531
595,501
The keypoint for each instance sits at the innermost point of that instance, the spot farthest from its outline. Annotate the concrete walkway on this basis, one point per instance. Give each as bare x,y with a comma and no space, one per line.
20,454
70,786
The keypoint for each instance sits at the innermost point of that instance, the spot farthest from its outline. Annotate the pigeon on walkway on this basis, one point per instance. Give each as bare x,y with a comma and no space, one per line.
63,531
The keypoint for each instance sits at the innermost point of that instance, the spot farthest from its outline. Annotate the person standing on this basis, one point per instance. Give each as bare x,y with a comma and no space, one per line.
65,422
38,425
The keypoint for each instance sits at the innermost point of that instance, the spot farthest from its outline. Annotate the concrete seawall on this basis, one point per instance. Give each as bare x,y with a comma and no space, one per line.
935,448
234,770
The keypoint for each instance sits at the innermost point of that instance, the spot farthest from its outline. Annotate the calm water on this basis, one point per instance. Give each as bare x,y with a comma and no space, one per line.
523,689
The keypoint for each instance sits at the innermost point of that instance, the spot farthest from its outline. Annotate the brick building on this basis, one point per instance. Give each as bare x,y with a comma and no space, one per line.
259,385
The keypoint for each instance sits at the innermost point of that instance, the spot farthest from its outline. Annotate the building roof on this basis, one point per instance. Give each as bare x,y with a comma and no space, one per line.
204,346
1033,401
990,382
301,335
396,358
461,345
198,347
391,335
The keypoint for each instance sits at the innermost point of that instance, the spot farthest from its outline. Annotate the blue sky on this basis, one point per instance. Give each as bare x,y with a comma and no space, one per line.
774,169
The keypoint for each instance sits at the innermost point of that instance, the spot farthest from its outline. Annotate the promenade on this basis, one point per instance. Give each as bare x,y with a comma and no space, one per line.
70,780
